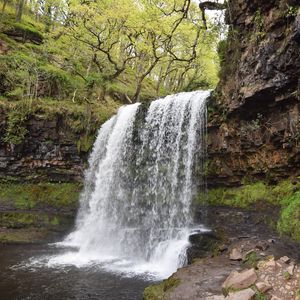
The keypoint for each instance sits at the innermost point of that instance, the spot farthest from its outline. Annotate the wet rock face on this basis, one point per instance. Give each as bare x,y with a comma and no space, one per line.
254,124
48,153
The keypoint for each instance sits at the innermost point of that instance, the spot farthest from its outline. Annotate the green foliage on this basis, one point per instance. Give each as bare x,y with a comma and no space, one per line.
82,118
292,11
238,197
286,275
259,27
16,124
144,52
260,296
289,222
222,49
251,259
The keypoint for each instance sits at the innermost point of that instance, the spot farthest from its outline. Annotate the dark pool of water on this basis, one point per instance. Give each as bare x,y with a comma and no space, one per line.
68,283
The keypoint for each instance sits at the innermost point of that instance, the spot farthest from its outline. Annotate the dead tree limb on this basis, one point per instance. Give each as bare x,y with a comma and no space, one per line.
210,5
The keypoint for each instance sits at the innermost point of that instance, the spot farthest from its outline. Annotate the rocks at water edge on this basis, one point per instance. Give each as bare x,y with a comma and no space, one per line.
235,254
247,294
220,278
240,280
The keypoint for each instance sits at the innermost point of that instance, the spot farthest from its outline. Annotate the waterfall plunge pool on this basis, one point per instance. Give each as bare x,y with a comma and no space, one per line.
50,271
21,278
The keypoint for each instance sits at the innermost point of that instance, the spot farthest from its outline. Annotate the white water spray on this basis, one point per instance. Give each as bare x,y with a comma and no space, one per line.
135,211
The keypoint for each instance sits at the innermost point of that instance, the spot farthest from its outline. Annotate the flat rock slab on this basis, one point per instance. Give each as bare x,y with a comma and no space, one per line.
247,294
241,280
202,280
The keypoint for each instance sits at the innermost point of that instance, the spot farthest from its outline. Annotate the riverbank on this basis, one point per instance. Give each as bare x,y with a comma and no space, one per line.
36,213
245,242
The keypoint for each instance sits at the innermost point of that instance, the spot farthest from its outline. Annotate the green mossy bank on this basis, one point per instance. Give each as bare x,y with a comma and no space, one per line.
285,196
35,212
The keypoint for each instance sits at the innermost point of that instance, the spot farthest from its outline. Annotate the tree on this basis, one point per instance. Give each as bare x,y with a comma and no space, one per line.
19,10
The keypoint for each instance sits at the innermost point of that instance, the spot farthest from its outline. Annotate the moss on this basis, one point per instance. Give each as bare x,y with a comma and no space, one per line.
21,236
28,30
28,196
85,143
82,118
158,291
289,222
238,197
258,294
249,194
28,219
251,259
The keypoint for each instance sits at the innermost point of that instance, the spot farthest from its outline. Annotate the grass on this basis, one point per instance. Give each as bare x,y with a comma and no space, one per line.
289,222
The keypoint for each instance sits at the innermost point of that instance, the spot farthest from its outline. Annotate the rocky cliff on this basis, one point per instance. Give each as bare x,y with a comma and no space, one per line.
48,141
49,152
254,123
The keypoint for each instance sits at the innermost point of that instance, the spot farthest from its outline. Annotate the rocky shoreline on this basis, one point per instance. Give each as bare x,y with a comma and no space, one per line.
250,261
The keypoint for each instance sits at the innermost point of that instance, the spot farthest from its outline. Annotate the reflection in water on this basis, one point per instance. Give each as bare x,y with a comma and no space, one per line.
19,281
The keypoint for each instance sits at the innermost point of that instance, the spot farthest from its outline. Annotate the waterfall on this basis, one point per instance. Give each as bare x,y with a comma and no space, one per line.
135,210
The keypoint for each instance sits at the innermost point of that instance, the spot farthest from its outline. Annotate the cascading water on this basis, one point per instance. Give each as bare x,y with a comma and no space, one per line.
135,208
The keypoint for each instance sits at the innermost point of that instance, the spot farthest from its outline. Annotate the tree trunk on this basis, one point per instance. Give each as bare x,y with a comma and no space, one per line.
4,6
19,10
136,97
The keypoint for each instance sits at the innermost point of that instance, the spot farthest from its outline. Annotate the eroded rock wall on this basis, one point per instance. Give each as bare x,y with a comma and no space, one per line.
48,153
254,116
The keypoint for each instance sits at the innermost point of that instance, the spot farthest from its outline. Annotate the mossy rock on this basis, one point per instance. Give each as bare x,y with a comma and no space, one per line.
25,32
17,220
22,236
160,290
29,196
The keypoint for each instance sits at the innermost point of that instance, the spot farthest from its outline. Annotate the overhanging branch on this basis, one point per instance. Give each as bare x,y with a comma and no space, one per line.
210,5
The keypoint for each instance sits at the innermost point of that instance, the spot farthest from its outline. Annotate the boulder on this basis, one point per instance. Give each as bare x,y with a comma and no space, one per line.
235,254
290,269
241,280
263,286
285,259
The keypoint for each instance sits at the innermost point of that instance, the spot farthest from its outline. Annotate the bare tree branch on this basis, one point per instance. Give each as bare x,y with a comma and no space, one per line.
210,5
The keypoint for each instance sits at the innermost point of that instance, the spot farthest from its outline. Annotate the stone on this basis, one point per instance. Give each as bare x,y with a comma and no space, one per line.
263,286
269,264
241,280
285,259
290,269
235,254
247,294
257,76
